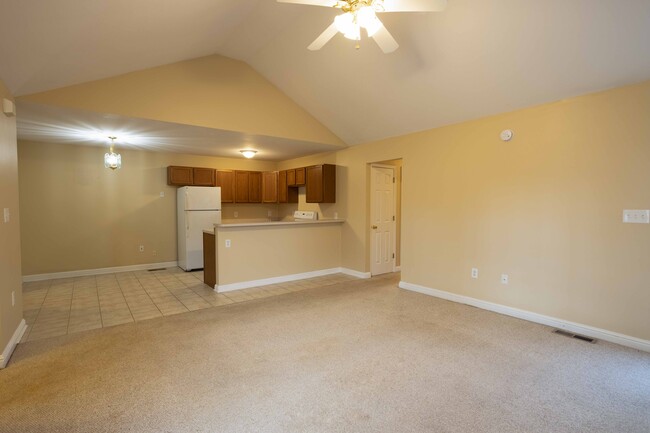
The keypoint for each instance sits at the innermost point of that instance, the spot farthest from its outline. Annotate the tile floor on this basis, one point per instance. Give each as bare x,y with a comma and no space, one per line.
64,306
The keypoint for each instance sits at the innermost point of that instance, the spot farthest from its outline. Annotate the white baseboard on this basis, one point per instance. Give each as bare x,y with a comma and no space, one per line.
286,278
100,271
576,328
354,273
15,339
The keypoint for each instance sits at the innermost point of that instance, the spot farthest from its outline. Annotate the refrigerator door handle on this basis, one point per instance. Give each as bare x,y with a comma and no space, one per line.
187,224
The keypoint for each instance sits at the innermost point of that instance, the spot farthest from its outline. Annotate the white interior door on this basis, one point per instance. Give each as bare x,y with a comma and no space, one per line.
382,220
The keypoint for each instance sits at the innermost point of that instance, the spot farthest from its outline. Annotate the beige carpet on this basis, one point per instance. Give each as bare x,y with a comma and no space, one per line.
362,356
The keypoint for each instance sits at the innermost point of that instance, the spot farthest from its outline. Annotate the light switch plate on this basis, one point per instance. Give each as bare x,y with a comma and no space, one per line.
228,243
504,278
636,216
6,215
475,273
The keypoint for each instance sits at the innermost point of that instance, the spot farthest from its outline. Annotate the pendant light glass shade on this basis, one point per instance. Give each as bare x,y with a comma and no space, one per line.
112,160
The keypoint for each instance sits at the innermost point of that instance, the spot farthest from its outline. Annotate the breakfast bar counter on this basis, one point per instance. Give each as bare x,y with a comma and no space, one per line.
256,253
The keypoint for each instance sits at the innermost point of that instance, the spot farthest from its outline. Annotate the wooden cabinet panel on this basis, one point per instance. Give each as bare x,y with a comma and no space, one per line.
300,176
283,190
204,176
226,180
180,176
291,177
270,187
209,260
254,187
242,178
321,183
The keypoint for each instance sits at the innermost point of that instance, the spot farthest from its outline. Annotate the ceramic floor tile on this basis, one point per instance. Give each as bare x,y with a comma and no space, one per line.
86,326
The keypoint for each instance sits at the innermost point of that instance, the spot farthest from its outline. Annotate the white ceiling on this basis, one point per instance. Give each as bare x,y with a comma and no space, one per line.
48,124
479,57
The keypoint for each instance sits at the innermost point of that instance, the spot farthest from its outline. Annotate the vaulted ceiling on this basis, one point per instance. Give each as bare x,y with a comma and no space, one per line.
477,58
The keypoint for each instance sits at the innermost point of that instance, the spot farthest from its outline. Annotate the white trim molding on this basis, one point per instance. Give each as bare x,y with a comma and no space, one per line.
576,328
9,349
354,273
100,271
286,278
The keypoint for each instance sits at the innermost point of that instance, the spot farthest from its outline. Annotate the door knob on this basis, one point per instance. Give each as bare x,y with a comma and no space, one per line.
374,227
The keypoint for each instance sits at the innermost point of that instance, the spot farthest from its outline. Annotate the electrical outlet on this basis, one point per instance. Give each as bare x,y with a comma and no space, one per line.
141,248
636,216
227,243
475,273
504,278
13,299
236,214
7,215
336,215
162,193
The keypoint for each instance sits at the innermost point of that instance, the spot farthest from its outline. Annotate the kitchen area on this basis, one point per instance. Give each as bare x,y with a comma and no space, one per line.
285,244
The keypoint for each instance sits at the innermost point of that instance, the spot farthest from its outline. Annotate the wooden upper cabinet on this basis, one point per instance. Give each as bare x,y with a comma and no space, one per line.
242,179
190,176
180,176
321,183
291,177
300,176
254,187
283,190
204,176
270,187
226,180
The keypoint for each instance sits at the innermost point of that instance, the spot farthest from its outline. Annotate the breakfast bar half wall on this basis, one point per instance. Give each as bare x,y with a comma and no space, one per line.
243,255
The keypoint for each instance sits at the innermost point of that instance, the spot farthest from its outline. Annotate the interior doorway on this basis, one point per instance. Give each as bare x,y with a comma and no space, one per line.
385,189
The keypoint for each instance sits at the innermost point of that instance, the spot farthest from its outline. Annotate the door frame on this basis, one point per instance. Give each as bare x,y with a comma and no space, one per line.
394,236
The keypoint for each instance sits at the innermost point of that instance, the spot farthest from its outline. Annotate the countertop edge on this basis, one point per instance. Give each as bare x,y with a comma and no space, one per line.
278,223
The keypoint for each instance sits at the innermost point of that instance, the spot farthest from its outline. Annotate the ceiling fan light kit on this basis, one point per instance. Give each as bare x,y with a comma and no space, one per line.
358,14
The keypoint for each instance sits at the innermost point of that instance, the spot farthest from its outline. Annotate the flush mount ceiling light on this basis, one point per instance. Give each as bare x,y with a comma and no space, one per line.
248,153
112,160
358,14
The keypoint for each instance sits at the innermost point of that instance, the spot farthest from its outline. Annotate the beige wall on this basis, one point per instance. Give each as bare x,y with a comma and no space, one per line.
76,214
545,208
214,91
274,251
10,272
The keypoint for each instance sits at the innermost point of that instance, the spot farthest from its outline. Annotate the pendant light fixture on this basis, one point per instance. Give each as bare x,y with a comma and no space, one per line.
112,160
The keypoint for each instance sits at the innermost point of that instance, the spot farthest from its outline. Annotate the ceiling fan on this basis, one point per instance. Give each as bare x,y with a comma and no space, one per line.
358,14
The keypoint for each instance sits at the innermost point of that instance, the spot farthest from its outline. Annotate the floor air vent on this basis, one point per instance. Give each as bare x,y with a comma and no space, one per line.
158,269
576,336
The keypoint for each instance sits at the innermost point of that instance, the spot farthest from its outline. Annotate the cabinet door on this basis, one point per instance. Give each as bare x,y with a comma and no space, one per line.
300,176
282,187
241,186
254,187
314,184
226,180
270,187
321,184
180,176
204,176
291,177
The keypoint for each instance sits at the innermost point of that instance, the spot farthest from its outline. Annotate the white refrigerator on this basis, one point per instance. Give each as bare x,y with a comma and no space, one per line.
199,208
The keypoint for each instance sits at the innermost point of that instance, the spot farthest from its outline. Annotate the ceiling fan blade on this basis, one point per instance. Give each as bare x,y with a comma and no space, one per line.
327,3
324,38
414,5
385,40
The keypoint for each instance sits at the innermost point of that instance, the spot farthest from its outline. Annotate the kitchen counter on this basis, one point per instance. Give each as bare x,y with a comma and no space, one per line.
258,252
277,223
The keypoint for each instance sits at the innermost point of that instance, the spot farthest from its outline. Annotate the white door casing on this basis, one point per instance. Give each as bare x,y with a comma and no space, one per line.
382,219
